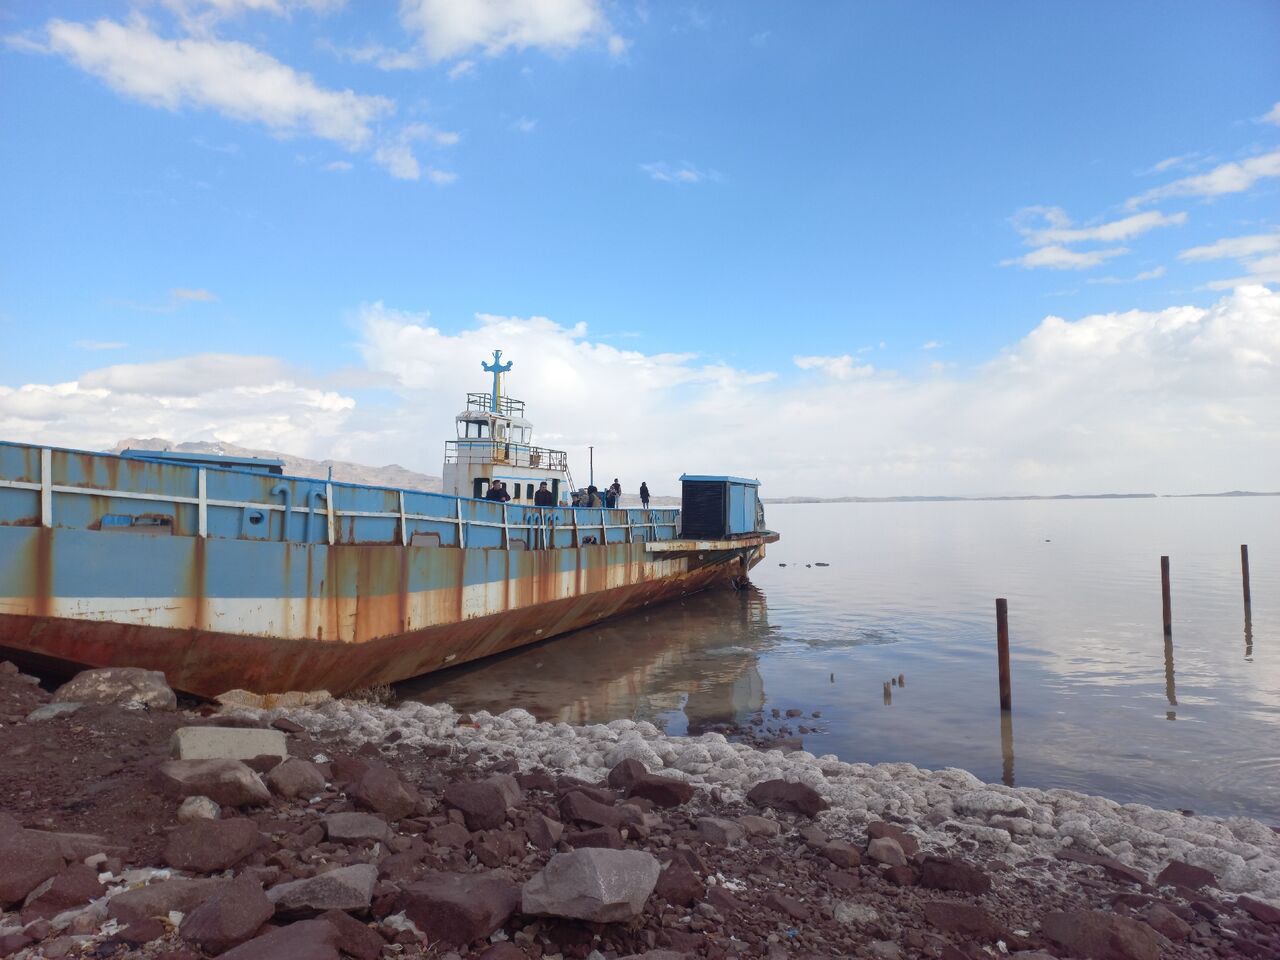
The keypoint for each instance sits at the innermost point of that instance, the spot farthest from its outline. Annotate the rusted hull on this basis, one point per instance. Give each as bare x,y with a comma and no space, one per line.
180,635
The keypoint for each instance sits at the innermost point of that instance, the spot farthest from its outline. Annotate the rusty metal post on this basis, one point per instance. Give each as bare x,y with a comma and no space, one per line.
1002,653
1244,573
1166,602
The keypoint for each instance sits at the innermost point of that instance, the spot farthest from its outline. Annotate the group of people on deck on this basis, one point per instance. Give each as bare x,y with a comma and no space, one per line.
591,497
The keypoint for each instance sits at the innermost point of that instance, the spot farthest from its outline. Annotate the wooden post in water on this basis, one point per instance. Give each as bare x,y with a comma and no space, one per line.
1002,653
1166,603
1244,573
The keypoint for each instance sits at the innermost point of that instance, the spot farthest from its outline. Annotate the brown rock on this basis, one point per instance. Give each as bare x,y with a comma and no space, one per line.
348,769
543,832
963,918
900,875
606,837
29,860
1095,935
355,939
306,940
679,885
229,917
380,790
789,905
459,908
1166,923
792,797
504,950
142,931
662,791
1181,874
73,887
946,873
450,835
352,827
626,773
158,899
577,806
207,846
886,850
120,685
841,853
1117,871
228,782
722,899
295,778
483,804
536,780
720,831
880,828
759,826
1264,912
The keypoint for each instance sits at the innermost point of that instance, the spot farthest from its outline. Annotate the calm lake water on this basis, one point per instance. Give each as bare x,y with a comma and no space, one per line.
1101,702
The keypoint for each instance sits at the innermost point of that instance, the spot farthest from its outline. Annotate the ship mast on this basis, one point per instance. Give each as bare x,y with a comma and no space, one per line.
497,368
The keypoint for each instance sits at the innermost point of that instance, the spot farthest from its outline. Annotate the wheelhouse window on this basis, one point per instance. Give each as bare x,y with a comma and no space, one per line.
476,429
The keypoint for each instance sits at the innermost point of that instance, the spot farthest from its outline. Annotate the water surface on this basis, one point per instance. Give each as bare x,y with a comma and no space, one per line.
1101,702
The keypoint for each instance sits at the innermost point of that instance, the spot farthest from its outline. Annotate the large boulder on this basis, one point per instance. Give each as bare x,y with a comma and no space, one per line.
231,916
784,795
594,884
964,918
945,873
126,686
459,908
295,778
381,791
207,846
29,859
180,894
73,887
1095,935
227,743
306,940
353,827
661,791
483,803
228,782
346,888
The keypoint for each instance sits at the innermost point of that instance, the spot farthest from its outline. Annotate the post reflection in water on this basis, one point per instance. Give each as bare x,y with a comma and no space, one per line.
1170,691
685,666
1248,635
1006,747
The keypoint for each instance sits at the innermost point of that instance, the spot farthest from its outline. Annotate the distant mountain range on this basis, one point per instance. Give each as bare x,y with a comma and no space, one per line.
1060,496
392,475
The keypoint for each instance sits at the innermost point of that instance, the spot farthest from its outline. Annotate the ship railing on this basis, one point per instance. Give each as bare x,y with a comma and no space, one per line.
506,406
48,487
505,454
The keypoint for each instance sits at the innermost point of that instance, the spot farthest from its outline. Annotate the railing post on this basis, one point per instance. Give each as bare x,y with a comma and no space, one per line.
577,542
506,536
404,531
328,503
462,529
46,487
202,509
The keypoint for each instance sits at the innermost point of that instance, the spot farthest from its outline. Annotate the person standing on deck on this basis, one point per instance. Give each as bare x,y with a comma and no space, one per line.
614,497
497,492
644,495
543,496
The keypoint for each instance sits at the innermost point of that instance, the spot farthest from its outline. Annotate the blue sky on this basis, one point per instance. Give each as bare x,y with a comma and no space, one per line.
887,197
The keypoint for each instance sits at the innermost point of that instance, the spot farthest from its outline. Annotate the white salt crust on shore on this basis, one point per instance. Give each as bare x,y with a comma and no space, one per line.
950,810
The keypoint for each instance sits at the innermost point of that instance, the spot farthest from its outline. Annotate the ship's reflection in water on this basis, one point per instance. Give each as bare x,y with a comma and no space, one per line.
685,666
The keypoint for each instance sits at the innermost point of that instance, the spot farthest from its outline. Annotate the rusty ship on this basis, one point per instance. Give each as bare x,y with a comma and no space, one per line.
224,573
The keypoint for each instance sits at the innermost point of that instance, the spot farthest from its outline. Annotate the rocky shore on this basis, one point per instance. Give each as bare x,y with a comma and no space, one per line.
133,825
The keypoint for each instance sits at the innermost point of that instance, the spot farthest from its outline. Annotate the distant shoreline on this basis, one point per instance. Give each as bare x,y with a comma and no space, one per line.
1060,496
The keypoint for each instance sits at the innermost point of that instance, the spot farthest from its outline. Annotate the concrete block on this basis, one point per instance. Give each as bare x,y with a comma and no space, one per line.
227,743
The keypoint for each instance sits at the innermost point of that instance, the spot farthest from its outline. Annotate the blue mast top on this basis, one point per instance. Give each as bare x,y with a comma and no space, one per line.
497,368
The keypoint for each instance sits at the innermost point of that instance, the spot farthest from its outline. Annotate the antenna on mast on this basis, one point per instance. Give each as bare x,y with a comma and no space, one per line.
497,368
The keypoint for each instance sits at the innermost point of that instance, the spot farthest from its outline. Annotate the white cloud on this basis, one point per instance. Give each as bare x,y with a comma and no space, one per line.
1184,399
930,345
1273,116
384,58
618,46
1155,273
1043,226
197,295
96,345
1060,258
461,69
397,155
524,125
843,367
681,173
338,166
447,29
255,401
230,77
1234,177
1258,254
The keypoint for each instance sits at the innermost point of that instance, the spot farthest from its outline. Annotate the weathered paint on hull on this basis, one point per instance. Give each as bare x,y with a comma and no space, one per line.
333,618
